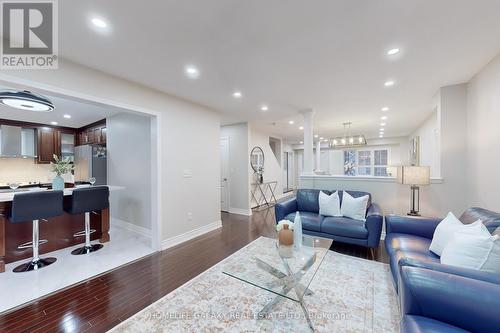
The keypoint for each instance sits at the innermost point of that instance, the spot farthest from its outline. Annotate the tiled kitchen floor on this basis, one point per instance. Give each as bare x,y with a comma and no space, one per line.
19,288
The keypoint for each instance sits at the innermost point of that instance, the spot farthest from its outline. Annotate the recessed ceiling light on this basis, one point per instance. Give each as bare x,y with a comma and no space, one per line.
389,83
381,136
291,122
301,142
381,129
382,124
53,122
316,135
393,51
385,109
67,116
383,118
301,128
192,72
321,138
264,108
100,23
237,94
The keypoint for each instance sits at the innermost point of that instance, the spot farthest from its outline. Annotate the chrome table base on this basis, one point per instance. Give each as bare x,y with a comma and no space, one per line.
289,281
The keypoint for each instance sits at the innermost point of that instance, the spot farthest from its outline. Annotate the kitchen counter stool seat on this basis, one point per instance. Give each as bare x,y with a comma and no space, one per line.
33,207
85,201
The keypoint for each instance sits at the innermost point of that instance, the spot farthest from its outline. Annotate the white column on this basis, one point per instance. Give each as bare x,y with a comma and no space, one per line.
318,155
308,142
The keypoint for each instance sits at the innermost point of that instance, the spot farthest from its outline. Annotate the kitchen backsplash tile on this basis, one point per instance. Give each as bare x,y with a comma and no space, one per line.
23,170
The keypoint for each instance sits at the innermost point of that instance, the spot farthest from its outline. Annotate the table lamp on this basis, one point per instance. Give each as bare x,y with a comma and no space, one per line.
415,176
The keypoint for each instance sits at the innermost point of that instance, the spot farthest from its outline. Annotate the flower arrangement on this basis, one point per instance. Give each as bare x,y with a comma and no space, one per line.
280,224
61,166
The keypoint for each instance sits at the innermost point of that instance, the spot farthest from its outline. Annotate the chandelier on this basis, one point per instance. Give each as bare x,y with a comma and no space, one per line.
347,140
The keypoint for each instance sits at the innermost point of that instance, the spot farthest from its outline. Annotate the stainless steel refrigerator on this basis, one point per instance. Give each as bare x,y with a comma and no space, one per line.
90,161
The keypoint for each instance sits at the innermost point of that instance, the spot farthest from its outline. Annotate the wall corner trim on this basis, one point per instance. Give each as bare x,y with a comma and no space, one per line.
240,211
131,227
176,240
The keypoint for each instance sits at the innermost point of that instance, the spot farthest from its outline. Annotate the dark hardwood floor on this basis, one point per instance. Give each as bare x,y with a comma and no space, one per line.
100,303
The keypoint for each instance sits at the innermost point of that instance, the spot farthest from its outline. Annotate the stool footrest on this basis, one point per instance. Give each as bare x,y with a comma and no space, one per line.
29,245
82,233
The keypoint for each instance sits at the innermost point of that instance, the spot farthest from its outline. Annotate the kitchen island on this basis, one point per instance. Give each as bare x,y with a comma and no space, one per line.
58,231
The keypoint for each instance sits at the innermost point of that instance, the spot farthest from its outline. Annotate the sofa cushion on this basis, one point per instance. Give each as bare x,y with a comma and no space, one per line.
414,324
357,194
344,226
398,255
310,221
406,242
308,200
491,220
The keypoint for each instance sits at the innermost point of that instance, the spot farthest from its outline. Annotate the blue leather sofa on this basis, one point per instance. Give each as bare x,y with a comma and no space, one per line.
433,301
408,239
436,297
342,229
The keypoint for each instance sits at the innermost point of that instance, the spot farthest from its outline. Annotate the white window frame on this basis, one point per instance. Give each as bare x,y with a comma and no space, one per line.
372,160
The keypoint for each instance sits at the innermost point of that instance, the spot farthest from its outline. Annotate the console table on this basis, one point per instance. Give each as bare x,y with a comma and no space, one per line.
268,200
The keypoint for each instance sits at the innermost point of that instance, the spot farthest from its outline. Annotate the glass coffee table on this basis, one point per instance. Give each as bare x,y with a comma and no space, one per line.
288,278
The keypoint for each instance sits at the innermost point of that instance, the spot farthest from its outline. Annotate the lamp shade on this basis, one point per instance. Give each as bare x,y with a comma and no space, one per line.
414,175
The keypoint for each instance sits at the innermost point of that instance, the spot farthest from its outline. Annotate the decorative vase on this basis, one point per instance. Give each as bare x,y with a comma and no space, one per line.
58,183
297,232
285,239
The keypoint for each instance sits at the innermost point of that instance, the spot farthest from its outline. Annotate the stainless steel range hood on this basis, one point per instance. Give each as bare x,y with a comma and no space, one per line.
17,142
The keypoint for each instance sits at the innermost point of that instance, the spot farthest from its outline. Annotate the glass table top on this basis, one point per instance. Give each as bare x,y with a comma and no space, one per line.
263,267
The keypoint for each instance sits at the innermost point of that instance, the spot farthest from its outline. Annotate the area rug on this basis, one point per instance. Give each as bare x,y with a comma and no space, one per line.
350,295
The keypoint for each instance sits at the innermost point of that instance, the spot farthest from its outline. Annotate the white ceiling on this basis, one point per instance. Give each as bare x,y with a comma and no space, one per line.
81,114
291,55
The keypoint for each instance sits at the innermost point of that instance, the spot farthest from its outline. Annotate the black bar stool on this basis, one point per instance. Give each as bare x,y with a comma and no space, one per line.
35,206
87,200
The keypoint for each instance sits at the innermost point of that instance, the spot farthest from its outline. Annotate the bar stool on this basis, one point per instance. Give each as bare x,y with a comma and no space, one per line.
87,200
35,206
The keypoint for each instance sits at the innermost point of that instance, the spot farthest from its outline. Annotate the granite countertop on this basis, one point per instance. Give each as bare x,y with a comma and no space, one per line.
9,195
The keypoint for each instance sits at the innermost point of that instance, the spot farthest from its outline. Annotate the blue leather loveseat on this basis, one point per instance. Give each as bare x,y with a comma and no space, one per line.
342,229
436,297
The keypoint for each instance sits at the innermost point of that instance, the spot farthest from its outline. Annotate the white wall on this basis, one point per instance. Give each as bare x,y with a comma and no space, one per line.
190,165
272,168
239,161
483,138
129,165
428,132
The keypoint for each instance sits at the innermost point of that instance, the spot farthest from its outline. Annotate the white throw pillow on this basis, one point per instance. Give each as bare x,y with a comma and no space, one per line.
446,229
475,251
329,205
355,208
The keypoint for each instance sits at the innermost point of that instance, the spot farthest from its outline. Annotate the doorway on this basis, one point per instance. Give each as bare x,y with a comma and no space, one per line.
288,173
224,174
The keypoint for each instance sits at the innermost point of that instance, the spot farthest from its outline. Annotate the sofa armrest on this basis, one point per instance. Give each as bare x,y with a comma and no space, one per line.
374,221
448,269
465,303
418,226
284,208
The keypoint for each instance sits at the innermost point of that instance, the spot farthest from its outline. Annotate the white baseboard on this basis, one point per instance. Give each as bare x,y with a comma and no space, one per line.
131,227
240,211
176,240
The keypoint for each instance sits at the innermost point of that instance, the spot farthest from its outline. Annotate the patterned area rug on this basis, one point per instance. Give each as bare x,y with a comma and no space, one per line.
350,295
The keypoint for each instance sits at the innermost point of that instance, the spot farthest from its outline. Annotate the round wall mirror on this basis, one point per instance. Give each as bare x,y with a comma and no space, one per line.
257,159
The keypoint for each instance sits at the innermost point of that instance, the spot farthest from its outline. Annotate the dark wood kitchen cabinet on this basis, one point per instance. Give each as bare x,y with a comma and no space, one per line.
48,144
93,134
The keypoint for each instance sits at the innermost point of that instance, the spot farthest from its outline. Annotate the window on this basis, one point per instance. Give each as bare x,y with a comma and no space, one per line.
366,162
380,164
